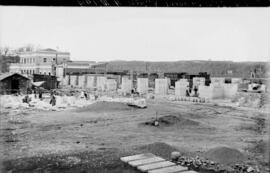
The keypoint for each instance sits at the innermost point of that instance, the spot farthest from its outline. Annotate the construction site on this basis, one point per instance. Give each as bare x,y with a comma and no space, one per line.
194,122
134,90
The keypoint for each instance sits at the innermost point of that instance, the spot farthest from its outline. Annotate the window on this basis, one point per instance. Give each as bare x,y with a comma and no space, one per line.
44,59
24,61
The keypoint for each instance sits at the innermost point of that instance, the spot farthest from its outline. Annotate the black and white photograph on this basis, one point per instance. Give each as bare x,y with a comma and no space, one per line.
136,86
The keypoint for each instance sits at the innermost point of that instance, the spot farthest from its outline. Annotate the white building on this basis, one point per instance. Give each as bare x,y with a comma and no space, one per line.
39,62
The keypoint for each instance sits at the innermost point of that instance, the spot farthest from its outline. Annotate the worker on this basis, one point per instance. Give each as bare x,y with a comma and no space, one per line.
53,100
187,91
26,99
85,95
35,92
195,91
40,94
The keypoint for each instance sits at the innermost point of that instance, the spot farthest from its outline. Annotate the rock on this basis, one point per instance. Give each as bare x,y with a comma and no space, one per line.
250,169
175,155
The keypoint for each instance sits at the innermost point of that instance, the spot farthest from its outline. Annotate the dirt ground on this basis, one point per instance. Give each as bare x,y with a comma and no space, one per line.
93,138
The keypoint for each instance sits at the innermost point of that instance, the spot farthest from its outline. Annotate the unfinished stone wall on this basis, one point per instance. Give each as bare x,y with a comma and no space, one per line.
230,90
126,85
65,81
237,80
219,80
101,83
111,85
198,81
214,91
180,87
90,82
73,80
217,91
142,85
161,86
81,81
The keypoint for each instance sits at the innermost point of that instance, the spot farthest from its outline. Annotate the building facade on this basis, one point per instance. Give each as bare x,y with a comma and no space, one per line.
39,62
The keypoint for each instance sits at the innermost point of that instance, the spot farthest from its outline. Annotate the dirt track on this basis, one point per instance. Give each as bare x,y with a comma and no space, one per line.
111,130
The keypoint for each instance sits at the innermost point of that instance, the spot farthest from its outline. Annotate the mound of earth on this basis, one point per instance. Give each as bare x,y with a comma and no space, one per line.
106,161
172,120
105,107
224,155
158,148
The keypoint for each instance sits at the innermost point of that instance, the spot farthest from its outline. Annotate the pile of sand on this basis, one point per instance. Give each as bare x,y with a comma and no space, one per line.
224,155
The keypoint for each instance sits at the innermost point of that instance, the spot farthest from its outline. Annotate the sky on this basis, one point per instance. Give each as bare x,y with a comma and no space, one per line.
148,34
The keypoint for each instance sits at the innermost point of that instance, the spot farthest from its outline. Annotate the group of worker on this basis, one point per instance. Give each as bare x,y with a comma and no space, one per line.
39,93
189,91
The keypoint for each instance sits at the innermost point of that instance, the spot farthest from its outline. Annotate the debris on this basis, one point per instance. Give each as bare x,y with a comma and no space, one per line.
175,155
250,169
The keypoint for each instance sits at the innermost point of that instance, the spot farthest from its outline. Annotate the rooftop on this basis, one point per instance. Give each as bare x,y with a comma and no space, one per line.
6,75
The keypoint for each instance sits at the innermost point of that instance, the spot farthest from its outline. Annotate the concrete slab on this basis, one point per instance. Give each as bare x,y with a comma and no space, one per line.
157,165
137,157
145,161
172,169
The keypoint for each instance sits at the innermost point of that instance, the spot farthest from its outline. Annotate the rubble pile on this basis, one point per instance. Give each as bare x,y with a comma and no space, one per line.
202,164
245,99
62,102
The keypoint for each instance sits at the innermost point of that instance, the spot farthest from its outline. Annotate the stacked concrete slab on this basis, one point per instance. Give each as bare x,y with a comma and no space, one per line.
73,80
65,81
219,80
198,81
111,85
142,85
81,81
101,83
161,86
90,82
180,87
126,85
237,80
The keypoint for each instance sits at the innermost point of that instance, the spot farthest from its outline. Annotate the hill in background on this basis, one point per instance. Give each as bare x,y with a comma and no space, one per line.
214,68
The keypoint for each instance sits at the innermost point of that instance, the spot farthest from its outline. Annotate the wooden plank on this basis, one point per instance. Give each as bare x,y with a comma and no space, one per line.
190,171
172,169
157,165
137,157
145,161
